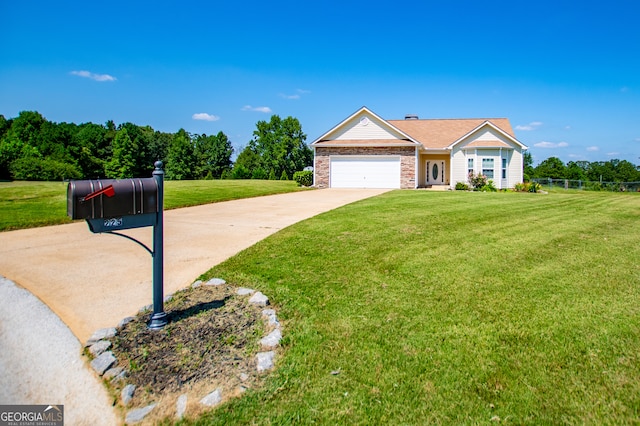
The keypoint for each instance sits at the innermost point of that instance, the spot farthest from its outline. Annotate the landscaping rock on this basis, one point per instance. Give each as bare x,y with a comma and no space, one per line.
181,406
168,298
259,299
125,321
103,362
244,377
196,284
103,333
137,415
265,361
99,347
127,394
114,373
271,340
243,291
215,281
272,319
213,399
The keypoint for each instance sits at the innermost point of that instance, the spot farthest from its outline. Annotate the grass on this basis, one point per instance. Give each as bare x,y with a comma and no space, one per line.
451,308
30,204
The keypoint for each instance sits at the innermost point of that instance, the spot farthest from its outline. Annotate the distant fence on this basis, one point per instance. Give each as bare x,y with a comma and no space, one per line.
588,185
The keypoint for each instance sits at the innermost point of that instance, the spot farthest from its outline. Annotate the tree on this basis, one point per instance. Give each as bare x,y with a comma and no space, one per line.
527,165
576,170
213,155
181,158
280,145
552,168
248,160
123,162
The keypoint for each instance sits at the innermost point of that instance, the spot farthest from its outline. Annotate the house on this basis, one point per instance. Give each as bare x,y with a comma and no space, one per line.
367,151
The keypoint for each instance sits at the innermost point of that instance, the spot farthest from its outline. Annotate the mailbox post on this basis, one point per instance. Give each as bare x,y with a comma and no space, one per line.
110,205
159,317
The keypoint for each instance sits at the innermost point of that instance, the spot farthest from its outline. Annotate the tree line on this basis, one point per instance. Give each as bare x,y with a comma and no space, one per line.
33,148
594,171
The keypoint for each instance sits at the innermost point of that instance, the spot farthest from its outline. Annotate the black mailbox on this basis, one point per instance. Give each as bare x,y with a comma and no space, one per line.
109,204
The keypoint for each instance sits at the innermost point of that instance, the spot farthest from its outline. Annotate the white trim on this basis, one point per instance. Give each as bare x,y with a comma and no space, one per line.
493,126
382,121
397,160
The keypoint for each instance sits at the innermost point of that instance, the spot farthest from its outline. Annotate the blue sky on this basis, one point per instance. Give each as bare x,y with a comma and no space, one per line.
566,73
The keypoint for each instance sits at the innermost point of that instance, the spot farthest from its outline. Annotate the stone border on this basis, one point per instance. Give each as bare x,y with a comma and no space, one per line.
104,360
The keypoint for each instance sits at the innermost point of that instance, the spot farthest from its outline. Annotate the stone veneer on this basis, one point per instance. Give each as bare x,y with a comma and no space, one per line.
407,155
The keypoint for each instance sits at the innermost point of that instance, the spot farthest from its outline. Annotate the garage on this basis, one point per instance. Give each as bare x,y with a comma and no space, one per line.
365,172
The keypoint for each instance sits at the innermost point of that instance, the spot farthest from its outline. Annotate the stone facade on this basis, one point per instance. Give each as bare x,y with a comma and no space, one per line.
407,155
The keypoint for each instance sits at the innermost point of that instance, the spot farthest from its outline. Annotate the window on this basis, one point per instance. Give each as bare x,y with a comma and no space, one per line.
487,167
470,166
504,168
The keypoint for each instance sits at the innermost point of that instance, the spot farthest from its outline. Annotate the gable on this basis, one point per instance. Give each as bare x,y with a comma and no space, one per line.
488,135
364,127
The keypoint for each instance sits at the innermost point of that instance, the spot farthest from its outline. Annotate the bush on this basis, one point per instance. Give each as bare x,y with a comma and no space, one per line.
34,168
478,181
489,187
284,175
303,178
527,187
259,173
461,186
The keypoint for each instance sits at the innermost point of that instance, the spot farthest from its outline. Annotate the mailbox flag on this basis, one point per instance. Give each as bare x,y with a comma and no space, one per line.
108,191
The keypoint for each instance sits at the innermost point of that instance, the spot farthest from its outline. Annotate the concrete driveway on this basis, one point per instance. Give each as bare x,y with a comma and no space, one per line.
91,281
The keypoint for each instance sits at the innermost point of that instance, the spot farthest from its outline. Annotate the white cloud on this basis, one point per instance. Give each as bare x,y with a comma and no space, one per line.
612,154
92,76
205,117
264,109
544,144
593,148
297,95
531,126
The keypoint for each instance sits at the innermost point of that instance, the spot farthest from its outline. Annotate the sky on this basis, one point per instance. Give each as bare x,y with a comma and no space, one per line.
565,73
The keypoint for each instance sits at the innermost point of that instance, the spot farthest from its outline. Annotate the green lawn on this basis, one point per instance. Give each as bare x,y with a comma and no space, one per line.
29,204
451,308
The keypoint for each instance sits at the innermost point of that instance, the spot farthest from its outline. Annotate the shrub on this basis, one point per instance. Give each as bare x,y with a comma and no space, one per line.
259,173
461,186
33,168
303,178
478,181
534,187
272,175
284,175
489,187
527,187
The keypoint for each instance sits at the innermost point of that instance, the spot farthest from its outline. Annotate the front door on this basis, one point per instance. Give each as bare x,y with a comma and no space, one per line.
435,172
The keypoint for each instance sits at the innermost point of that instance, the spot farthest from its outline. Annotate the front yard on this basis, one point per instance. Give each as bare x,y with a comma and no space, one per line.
451,308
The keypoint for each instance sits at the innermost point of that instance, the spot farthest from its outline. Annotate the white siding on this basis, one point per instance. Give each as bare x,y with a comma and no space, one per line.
515,168
460,155
459,166
370,128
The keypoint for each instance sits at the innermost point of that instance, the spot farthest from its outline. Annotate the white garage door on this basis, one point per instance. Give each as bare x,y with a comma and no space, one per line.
369,172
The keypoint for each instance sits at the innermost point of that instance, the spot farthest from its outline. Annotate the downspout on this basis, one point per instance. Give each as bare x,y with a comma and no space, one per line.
417,172
506,175
314,166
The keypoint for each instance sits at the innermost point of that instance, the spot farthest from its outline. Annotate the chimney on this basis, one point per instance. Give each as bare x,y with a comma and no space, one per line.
411,117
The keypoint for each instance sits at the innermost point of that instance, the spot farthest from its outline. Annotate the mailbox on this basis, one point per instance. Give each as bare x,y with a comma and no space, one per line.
109,204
